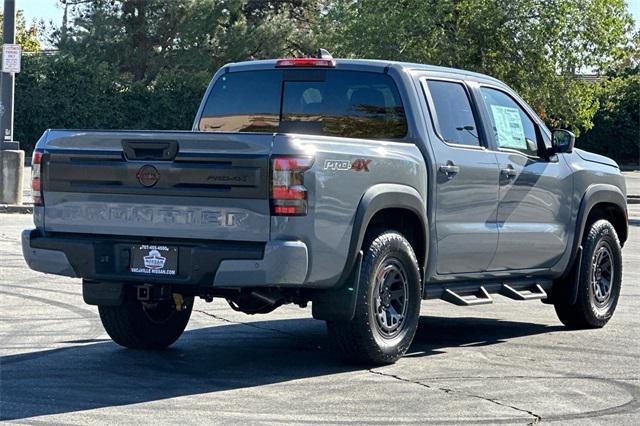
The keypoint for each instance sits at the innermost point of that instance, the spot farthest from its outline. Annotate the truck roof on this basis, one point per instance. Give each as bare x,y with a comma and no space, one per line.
376,65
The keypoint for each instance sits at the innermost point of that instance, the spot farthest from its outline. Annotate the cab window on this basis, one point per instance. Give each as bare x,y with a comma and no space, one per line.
453,114
511,126
353,104
350,104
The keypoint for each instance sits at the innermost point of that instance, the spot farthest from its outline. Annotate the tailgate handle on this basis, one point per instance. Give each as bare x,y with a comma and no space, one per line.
147,150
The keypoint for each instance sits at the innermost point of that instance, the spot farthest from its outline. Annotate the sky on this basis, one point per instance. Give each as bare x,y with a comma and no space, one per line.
44,9
50,10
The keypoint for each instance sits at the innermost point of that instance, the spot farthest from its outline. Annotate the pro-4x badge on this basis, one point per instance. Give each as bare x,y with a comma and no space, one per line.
359,165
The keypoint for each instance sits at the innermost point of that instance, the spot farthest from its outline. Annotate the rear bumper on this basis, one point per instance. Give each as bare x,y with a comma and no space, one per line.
227,264
45,260
283,263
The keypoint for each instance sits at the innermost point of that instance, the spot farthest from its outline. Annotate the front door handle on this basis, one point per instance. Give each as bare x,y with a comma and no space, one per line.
449,169
508,172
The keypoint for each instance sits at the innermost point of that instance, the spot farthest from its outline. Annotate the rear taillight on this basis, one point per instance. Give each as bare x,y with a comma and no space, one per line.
288,193
36,183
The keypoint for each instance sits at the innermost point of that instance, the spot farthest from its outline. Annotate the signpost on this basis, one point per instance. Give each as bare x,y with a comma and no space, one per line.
11,62
11,158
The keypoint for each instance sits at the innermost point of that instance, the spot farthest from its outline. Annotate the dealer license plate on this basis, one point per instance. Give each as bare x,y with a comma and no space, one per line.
154,259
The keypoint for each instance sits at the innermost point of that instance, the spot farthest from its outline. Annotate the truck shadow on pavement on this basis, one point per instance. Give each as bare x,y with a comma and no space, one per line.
206,360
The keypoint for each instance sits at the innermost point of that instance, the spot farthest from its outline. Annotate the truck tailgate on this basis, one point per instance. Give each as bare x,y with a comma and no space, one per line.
158,184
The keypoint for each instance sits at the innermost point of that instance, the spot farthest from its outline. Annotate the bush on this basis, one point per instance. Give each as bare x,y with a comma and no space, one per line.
55,91
616,125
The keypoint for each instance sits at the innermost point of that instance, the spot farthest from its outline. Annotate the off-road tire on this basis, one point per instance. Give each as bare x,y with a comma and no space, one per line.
131,324
361,340
587,311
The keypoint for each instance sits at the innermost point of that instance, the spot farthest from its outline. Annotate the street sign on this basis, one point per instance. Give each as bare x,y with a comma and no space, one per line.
11,54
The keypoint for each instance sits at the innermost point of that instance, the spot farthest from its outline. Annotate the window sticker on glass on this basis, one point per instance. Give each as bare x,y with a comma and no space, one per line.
509,130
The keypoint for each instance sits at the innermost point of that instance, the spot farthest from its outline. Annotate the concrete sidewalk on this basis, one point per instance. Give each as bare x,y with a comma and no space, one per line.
633,186
632,178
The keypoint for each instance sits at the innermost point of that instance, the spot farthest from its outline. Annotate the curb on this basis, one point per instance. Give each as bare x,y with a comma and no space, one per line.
4,208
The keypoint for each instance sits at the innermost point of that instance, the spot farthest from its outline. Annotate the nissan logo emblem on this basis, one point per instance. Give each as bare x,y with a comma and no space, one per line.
148,176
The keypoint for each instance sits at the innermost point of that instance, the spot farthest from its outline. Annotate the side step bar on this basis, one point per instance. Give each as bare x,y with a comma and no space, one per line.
473,293
480,297
534,292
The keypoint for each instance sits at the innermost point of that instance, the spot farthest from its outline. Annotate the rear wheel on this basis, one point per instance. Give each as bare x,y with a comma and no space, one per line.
139,325
599,282
388,304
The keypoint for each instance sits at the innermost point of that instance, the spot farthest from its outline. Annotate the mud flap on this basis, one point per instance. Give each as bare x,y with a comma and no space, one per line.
104,294
565,289
339,303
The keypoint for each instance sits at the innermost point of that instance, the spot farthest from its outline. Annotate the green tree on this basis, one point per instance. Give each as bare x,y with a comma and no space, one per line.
536,46
143,37
616,130
27,36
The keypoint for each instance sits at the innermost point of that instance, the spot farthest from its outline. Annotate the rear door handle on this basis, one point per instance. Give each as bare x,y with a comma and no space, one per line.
449,169
508,172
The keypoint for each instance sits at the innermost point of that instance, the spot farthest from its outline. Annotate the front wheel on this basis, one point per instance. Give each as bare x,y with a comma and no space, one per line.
388,304
599,282
138,325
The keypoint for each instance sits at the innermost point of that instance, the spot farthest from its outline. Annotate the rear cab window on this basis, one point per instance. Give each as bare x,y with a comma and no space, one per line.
355,104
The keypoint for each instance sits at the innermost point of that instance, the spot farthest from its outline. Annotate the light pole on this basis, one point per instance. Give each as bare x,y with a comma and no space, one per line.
11,157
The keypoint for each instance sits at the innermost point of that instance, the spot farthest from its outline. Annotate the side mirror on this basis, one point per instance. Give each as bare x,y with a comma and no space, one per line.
562,141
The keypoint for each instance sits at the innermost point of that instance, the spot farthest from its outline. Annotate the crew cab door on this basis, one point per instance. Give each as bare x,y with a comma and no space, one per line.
466,180
535,206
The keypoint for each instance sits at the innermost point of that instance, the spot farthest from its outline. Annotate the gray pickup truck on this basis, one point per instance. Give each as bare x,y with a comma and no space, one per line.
361,186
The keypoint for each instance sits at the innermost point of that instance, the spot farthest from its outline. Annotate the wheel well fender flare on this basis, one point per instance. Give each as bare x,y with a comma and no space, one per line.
597,194
386,196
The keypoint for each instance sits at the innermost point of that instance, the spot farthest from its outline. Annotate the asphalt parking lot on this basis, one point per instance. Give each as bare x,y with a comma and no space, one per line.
510,362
